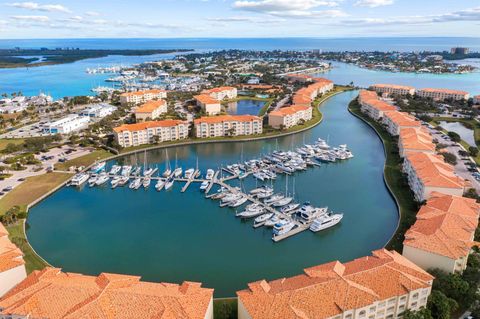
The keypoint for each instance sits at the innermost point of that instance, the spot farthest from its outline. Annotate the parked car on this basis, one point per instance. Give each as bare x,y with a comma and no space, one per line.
7,189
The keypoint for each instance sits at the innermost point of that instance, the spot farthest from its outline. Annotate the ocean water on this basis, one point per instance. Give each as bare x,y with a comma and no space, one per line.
71,79
173,236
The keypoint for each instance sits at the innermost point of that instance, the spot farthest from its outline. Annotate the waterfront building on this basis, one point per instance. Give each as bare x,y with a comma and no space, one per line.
305,96
371,105
221,93
395,121
66,125
208,104
142,96
298,77
442,94
150,110
393,89
412,140
228,125
51,293
289,116
429,173
12,265
13,108
150,131
380,286
98,110
443,235
476,99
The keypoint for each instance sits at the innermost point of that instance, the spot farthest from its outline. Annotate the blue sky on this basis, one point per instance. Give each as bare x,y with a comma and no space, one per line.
238,18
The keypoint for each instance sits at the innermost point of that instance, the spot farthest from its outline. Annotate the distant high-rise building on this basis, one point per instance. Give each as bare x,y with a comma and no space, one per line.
459,50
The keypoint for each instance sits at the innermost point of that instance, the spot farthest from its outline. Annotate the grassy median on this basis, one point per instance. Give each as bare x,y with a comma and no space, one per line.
394,178
5,141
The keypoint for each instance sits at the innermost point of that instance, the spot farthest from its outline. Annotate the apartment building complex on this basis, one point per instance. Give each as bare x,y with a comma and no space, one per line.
395,121
150,131
393,89
51,293
415,140
443,235
150,110
228,125
12,265
142,96
429,173
287,117
373,106
442,94
208,104
305,96
221,93
381,286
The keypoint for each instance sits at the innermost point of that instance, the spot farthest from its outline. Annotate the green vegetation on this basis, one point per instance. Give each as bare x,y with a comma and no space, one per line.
31,189
5,142
394,178
225,308
449,158
18,237
84,160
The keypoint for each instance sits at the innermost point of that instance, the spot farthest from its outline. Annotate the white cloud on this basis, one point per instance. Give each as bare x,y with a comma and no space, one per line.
291,8
40,7
42,19
374,3
92,13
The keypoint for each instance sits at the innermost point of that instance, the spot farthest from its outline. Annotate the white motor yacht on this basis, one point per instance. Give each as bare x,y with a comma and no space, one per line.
189,173
123,180
204,186
159,185
310,216
102,179
92,180
146,182
283,227
126,170
289,208
260,220
272,221
115,169
325,222
79,179
210,174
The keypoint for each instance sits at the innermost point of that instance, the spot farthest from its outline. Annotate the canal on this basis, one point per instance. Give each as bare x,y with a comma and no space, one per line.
173,236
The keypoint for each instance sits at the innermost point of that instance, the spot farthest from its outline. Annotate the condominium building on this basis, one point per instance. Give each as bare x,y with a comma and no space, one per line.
228,125
394,121
142,96
371,105
51,293
289,116
443,235
476,99
442,94
221,93
305,96
393,89
429,173
66,125
12,265
208,104
298,77
98,110
150,131
150,110
413,140
381,286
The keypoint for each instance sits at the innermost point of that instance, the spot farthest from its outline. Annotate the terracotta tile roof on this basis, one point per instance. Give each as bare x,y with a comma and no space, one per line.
138,93
226,118
445,226
304,96
402,119
330,289
205,99
413,139
289,110
10,255
433,171
148,124
218,89
393,86
53,294
150,106
448,91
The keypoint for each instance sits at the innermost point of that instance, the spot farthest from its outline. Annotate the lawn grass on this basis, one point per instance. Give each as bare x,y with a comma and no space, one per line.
84,160
17,236
395,180
5,141
32,189
225,308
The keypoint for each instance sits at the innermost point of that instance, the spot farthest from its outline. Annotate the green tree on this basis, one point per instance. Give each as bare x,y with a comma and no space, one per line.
423,313
449,158
454,136
440,306
473,151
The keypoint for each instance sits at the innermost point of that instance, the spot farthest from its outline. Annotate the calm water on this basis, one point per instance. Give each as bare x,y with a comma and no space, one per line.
71,79
465,133
170,236
245,107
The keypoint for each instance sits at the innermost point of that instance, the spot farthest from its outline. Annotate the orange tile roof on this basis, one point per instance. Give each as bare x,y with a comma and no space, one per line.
448,91
393,86
413,139
53,294
304,95
10,255
150,106
148,124
289,110
445,226
433,171
218,89
205,99
226,118
142,92
330,289
402,119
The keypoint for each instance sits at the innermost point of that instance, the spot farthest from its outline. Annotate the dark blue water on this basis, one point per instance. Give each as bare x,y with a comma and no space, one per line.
241,107
173,236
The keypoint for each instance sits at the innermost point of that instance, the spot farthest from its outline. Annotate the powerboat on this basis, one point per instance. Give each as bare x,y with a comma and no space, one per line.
283,227
204,186
126,170
92,180
115,180
325,222
260,220
136,183
115,169
189,173
79,179
159,185
289,208
309,216
210,174
102,179
97,168
273,220
123,180
146,182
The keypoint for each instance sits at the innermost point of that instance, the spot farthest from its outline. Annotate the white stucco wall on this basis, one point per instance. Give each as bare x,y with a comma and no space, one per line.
10,278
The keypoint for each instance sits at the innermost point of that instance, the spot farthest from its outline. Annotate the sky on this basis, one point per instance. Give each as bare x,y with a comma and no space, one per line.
238,18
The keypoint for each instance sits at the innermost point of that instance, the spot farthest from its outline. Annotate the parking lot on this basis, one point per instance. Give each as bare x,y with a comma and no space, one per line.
31,130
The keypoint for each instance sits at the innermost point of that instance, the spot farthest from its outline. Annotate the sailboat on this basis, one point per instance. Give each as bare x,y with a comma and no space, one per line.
167,171
178,170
